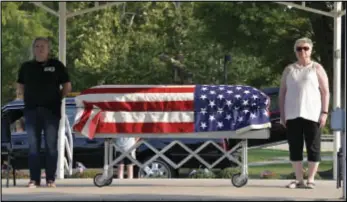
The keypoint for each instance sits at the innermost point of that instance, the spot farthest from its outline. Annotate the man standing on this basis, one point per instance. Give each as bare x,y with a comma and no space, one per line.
43,82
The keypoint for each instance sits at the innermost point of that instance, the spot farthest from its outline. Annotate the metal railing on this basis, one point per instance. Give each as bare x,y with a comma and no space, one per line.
68,157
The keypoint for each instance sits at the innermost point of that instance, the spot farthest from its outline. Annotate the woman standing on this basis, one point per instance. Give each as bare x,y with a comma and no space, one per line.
43,82
124,144
304,102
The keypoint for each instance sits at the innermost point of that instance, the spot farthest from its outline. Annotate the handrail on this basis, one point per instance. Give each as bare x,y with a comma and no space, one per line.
69,147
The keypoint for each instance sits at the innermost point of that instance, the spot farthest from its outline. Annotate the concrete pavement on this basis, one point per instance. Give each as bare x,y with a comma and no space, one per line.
170,189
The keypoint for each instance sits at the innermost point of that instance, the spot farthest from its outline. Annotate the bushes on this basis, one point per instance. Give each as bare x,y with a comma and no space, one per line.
202,173
227,173
266,174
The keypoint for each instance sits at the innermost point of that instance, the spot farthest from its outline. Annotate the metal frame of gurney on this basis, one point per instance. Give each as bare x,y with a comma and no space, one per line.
238,180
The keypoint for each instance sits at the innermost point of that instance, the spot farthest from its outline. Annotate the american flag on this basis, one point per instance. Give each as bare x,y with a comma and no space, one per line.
158,109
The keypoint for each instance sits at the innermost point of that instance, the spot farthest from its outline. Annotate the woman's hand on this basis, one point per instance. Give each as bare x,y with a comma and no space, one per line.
323,120
283,122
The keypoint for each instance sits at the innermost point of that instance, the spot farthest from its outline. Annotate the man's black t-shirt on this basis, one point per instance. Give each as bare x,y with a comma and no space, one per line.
42,82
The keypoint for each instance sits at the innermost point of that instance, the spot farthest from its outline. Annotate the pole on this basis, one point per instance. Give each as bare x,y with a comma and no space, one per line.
344,128
62,58
337,79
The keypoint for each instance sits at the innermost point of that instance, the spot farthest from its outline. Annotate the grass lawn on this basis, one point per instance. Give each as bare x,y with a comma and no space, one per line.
258,155
283,169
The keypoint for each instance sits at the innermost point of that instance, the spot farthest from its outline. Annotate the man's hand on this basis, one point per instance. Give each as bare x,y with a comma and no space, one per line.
19,91
66,89
322,120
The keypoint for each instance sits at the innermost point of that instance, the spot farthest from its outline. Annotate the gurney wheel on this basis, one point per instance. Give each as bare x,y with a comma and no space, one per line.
100,183
109,181
239,180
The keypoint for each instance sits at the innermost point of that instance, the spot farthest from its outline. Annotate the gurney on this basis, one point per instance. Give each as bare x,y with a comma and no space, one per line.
167,111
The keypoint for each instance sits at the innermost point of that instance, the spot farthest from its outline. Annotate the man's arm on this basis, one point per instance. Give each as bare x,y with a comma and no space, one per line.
323,87
20,83
66,89
282,94
64,80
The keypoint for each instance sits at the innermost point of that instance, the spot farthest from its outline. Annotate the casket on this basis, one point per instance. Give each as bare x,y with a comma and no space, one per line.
170,109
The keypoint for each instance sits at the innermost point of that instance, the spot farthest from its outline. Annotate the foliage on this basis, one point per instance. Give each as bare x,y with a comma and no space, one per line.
202,173
228,172
19,27
122,44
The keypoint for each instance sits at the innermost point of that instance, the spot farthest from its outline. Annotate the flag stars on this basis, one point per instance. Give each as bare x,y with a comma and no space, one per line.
212,118
245,111
203,97
237,96
220,96
211,104
220,110
203,125
220,124
203,111
244,102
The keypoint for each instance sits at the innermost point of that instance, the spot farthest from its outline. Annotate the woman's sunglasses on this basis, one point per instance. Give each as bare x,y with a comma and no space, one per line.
305,48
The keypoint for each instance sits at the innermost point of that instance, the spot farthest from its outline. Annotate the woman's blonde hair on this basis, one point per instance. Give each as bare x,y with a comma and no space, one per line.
303,40
40,38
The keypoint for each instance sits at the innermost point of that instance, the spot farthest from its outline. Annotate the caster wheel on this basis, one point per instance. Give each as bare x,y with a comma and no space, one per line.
109,182
239,180
99,182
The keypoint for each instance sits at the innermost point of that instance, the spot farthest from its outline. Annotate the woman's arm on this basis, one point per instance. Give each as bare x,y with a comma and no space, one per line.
323,87
282,94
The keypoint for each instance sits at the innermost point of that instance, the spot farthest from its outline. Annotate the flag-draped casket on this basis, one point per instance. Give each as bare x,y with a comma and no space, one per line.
164,109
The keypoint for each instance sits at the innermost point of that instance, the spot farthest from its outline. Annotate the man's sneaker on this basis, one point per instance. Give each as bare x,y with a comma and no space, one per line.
51,184
33,184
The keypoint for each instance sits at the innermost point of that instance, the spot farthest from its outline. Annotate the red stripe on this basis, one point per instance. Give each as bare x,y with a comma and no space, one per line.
93,125
144,106
104,127
137,90
84,118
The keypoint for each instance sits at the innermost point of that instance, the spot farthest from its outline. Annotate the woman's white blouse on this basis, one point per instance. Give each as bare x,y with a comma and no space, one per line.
303,97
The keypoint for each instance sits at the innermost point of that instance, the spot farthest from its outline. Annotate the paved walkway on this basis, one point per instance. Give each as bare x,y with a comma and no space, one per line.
171,189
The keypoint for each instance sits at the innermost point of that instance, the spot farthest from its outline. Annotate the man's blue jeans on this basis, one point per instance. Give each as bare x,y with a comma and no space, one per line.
38,120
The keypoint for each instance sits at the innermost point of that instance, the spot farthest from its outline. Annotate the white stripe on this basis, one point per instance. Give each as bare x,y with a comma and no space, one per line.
135,97
144,86
78,116
85,131
148,117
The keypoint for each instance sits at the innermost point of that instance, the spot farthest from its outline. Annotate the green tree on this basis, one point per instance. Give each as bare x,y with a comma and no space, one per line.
19,27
